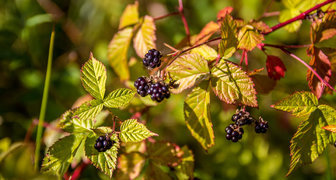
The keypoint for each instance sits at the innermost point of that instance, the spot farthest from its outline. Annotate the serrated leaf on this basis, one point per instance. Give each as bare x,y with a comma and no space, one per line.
249,38
232,85
164,153
117,52
133,131
104,161
310,140
65,121
229,42
185,169
206,52
188,70
261,26
130,15
331,128
119,98
207,31
320,63
145,38
93,76
84,115
298,104
102,130
60,154
197,115
324,29
130,165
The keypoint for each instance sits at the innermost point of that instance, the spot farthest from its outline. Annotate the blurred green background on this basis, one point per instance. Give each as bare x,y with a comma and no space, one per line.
84,26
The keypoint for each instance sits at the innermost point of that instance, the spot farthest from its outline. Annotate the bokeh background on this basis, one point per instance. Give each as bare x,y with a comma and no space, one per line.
88,26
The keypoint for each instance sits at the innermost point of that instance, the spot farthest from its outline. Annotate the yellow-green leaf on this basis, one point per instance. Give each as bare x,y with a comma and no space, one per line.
130,165
93,76
229,41
163,153
119,98
298,104
197,115
249,38
232,85
188,70
207,52
185,170
133,131
117,53
145,38
288,14
130,15
84,115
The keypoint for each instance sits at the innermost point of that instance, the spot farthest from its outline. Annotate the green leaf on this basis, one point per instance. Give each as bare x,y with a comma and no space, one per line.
133,131
65,121
288,14
130,15
298,104
117,52
60,154
206,52
249,38
310,140
154,172
104,161
185,169
145,38
188,70
93,76
232,85
164,153
119,98
197,115
229,41
84,115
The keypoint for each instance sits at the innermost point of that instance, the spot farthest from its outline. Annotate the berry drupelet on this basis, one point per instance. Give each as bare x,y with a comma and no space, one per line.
158,91
242,117
103,143
142,85
261,126
234,133
152,59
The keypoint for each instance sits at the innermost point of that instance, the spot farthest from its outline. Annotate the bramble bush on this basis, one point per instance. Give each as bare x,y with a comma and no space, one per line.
203,67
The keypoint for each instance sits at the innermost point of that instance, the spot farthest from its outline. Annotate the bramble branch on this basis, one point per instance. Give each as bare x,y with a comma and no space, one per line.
300,16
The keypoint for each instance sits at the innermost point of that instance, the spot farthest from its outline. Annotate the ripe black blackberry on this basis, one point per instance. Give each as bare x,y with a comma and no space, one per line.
261,126
103,143
242,117
158,91
234,132
152,59
142,85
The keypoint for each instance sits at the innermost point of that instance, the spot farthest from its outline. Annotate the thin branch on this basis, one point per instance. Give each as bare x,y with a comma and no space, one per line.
304,63
167,15
289,46
184,20
300,16
78,171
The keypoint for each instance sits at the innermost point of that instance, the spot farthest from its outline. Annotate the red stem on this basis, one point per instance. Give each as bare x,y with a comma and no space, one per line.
167,15
78,171
300,16
302,62
184,20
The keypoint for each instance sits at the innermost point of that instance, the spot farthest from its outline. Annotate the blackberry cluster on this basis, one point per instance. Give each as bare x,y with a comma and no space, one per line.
158,92
103,143
234,132
242,118
261,126
152,59
142,85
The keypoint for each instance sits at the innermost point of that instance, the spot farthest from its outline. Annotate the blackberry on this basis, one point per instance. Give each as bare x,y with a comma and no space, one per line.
234,133
261,126
158,91
142,85
242,117
152,59
103,143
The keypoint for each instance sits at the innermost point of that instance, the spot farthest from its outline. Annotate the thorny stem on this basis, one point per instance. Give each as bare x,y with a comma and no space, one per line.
299,17
184,20
167,15
302,62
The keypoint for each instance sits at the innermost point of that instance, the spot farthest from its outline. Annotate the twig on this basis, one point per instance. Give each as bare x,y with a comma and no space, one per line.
78,171
304,63
184,20
299,17
167,15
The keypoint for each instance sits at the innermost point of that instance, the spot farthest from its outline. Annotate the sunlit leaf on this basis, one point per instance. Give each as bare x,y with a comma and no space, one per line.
93,76
331,128
310,140
84,115
119,98
60,154
164,153
65,121
298,104
130,15
145,38
208,30
130,165
261,26
223,12
197,115
287,14
232,85
206,52
117,52
133,131
249,38
104,161
229,42
188,70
